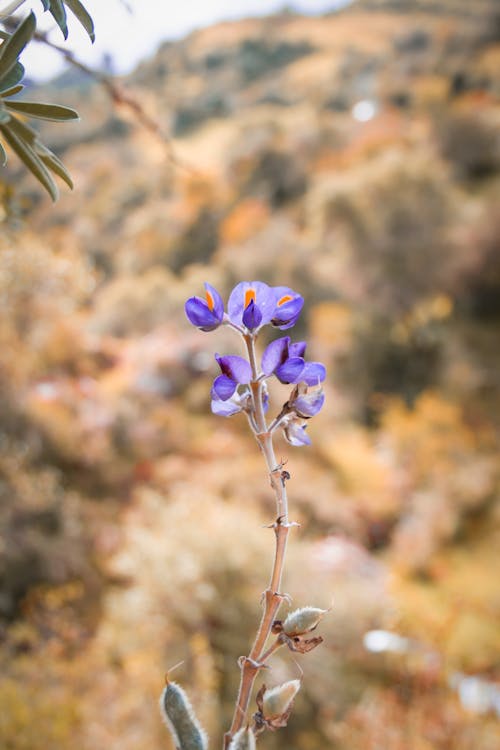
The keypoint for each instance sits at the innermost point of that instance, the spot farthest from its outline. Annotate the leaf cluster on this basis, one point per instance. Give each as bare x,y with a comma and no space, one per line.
20,137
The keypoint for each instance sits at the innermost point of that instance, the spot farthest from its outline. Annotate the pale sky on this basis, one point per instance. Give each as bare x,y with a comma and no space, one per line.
131,36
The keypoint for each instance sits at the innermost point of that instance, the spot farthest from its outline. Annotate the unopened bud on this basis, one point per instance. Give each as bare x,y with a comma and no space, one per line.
243,740
303,620
181,720
278,700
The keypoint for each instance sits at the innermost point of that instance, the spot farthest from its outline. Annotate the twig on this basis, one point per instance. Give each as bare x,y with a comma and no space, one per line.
10,8
120,98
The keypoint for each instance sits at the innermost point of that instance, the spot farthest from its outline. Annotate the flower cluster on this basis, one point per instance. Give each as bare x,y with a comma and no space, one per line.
242,383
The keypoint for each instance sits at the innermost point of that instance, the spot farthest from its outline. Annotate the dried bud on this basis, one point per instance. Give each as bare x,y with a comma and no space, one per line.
243,740
277,701
303,620
180,719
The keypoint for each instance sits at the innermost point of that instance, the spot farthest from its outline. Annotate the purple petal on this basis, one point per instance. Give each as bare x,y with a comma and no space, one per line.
298,349
288,307
236,368
291,370
224,408
309,404
296,434
214,301
240,297
200,315
275,353
313,373
252,316
223,387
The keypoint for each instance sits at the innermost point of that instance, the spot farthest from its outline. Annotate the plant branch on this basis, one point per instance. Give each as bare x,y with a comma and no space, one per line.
10,8
120,98
250,665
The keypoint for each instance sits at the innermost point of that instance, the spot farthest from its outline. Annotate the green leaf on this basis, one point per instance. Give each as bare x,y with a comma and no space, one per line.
3,156
58,12
26,133
43,111
12,78
23,131
12,48
54,163
46,4
4,116
12,91
83,16
31,160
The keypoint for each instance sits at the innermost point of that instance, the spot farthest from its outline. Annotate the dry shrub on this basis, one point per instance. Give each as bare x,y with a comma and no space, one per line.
396,224
450,472
42,527
481,284
135,304
471,142
246,219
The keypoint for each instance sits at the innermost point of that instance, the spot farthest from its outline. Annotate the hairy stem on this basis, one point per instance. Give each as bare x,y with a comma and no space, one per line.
250,665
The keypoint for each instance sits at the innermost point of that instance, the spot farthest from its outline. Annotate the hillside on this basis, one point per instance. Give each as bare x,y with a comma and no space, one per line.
356,158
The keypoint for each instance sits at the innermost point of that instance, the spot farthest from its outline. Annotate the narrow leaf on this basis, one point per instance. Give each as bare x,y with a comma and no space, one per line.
58,12
83,16
46,4
43,111
23,131
54,164
31,161
12,48
3,156
30,136
12,91
11,78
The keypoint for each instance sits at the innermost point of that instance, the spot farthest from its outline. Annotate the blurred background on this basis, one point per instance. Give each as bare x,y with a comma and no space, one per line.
355,157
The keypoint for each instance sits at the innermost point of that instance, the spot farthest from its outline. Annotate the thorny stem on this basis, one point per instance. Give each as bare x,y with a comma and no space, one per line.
250,665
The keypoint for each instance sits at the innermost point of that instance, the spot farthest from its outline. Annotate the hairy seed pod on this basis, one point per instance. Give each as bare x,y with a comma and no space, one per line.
278,700
244,739
180,719
303,620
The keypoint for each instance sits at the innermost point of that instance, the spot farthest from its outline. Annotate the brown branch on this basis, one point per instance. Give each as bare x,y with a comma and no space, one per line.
120,98
251,665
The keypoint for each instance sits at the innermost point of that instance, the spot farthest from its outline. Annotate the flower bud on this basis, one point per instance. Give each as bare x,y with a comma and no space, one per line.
180,719
303,620
243,740
278,700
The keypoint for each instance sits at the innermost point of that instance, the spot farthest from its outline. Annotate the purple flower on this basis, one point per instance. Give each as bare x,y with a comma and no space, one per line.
237,403
288,307
206,314
235,371
227,408
295,433
306,403
313,373
286,361
252,304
